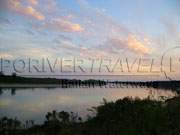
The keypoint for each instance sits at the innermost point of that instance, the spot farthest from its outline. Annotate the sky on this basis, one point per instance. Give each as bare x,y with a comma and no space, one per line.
90,29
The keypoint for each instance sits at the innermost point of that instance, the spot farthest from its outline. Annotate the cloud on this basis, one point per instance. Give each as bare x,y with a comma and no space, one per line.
63,25
65,45
63,37
33,2
18,7
37,53
5,21
68,47
138,46
29,32
98,29
131,43
109,36
32,12
50,6
5,55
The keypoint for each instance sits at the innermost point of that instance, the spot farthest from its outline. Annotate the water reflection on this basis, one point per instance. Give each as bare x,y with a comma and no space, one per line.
13,91
1,91
33,104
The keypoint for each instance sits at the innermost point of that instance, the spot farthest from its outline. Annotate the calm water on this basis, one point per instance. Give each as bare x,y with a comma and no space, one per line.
33,104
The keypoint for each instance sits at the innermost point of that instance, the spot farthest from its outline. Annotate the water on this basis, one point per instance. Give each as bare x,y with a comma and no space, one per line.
33,104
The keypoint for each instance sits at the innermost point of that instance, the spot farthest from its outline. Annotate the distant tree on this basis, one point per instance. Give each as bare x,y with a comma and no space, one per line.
14,74
13,91
1,73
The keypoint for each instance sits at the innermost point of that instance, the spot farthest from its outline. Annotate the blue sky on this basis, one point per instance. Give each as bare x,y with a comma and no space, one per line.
88,28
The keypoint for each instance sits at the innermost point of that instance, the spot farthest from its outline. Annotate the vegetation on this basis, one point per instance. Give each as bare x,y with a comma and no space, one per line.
124,117
172,84
14,79
67,83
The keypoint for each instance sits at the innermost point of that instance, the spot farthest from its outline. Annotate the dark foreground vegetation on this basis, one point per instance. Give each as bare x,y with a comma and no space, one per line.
124,117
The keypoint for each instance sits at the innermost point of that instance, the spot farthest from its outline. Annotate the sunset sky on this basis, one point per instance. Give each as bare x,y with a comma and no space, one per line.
88,28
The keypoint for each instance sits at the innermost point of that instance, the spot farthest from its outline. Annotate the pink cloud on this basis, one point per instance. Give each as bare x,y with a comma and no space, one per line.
17,6
137,45
33,2
132,43
63,25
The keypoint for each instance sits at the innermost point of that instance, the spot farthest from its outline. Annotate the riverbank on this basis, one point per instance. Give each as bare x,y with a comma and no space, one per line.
26,82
